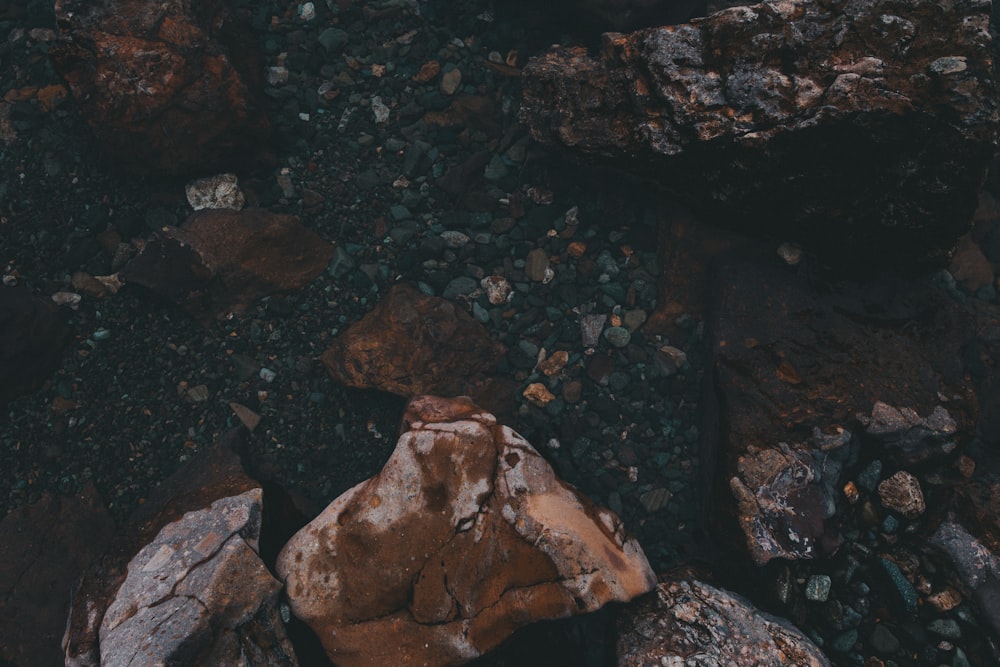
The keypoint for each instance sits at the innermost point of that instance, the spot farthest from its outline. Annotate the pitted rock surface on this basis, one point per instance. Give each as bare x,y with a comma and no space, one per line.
199,594
861,129
465,535
692,623
168,87
413,344
220,260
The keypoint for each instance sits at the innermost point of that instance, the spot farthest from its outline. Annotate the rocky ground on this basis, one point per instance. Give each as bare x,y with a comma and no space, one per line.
414,174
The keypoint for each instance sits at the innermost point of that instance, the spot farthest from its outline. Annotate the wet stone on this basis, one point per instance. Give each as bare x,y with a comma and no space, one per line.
883,641
903,590
818,588
617,336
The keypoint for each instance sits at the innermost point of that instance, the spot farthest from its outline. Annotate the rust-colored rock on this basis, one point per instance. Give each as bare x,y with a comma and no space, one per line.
413,344
860,129
168,87
804,379
465,535
219,260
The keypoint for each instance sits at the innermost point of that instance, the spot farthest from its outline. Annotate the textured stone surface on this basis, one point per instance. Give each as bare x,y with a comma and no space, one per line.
212,474
32,335
168,87
43,549
198,593
464,536
801,380
219,260
412,344
861,129
901,493
689,622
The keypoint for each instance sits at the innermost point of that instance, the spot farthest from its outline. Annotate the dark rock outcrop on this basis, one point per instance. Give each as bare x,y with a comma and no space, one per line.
804,381
32,335
860,129
168,87
220,260
44,547
413,344
464,536
690,622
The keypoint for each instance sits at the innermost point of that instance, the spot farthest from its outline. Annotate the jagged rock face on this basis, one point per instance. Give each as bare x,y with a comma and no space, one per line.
222,260
412,344
199,594
861,129
168,87
802,381
32,335
689,621
464,536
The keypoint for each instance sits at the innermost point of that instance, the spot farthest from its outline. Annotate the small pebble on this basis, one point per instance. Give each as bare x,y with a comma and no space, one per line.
198,394
538,394
450,81
901,493
618,336
818,588
267,375
945,627
590,329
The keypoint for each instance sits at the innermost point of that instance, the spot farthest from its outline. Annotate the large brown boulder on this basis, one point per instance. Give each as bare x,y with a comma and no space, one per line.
412,344
219,260
168,87
861,129
465,535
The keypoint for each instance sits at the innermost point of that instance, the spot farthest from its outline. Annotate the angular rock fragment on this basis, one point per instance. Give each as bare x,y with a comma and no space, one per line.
168,87
213,474
802,380
199,594
689,622
901,493
860,129
221,260
464,536
32,335
412,344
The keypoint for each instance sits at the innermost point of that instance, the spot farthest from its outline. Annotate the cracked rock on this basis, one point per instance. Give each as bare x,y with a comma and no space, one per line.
464,536
199,594
690,622
861,129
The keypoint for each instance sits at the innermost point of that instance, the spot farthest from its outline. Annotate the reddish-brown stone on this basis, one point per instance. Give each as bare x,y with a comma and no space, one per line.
168,87
221,260
465,535
413,344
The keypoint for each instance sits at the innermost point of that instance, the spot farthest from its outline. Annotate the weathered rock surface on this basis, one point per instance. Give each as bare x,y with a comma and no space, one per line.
44,547
221,260
211,475
688,622
860,129
168,87
32,335
412,344
803,380
199,594
464,536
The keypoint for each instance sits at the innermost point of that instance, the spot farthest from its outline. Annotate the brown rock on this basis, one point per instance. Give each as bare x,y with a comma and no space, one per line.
413,344
220,260
465,535
44,547
538,394
32,335
969,265
770,119
864,371
165,88
690,622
